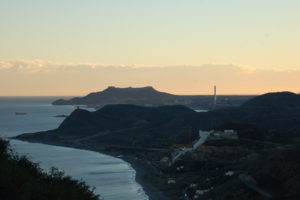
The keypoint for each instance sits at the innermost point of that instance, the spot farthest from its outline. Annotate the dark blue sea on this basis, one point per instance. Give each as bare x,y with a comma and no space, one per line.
113,178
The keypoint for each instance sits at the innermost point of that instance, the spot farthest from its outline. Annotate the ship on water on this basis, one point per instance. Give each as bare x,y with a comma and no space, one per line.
21,113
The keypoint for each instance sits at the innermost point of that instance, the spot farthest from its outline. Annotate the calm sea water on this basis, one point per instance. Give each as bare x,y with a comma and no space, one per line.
112,178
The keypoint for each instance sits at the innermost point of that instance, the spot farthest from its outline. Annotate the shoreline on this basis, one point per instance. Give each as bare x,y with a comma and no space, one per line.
142,175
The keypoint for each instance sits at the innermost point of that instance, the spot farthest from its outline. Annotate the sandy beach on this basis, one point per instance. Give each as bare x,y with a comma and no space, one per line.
142,177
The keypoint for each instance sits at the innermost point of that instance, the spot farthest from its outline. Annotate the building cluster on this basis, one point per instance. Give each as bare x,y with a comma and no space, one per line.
221,135
203,137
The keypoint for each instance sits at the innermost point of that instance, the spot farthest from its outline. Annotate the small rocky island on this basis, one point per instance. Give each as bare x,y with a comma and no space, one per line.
243,152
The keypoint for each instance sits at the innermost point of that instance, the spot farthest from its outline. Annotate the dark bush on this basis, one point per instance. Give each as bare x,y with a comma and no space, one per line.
22,179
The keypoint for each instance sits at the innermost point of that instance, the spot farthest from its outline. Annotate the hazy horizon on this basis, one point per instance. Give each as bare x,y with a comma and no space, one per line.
100,90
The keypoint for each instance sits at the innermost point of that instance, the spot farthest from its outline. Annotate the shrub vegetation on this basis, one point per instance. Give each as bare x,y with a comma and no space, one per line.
21,179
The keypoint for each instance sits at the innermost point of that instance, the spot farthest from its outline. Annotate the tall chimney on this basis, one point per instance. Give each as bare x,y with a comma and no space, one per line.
215,96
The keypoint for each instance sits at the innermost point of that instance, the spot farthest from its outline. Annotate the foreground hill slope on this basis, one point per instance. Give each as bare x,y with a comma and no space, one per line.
279,173
22,179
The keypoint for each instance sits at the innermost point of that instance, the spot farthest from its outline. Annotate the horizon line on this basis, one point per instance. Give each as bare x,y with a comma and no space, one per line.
7,96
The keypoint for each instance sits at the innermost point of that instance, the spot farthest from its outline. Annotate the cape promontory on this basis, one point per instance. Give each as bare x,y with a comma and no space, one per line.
148,96
114,95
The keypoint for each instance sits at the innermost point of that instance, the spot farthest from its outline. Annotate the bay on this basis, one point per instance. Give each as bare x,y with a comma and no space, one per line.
111,177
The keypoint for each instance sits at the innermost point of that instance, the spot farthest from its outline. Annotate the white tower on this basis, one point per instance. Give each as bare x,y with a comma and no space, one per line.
215,97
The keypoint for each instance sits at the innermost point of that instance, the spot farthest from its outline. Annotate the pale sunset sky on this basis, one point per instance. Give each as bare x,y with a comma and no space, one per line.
73,47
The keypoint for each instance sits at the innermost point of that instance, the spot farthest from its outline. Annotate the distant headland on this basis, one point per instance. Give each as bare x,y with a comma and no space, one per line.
148,96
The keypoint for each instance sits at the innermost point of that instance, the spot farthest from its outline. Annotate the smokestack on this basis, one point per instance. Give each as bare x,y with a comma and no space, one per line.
215,96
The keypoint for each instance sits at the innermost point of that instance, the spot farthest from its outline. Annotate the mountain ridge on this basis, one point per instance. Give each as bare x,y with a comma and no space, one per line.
165,126
287,99
148,96
114,95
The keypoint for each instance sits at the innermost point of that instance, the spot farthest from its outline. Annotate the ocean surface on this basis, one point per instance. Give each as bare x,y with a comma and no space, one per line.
111,177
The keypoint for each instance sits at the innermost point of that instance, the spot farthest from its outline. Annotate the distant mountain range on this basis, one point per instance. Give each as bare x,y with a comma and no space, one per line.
164,126
148,96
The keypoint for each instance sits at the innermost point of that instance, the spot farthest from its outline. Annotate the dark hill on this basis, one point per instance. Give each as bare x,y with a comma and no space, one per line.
275,114
162,127
260,122
148,96
113,95
286,99
122,125
114,117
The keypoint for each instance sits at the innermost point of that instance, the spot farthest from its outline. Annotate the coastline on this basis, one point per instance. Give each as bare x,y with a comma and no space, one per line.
142,175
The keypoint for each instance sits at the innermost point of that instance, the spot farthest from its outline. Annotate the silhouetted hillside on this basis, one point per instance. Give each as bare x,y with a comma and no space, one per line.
286,99
113,95
148,96
123,125
20,179
260,122
272,115
164,126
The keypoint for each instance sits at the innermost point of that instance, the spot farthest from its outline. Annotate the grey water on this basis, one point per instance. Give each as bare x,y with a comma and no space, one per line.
111,177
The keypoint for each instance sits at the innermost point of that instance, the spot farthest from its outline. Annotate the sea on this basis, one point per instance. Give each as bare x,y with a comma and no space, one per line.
111,177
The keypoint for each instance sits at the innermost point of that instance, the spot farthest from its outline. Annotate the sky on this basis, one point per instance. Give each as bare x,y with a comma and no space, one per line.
73,47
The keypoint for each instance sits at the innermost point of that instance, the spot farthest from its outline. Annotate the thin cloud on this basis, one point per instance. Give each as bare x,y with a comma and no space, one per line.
38,77
5,65
46,66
